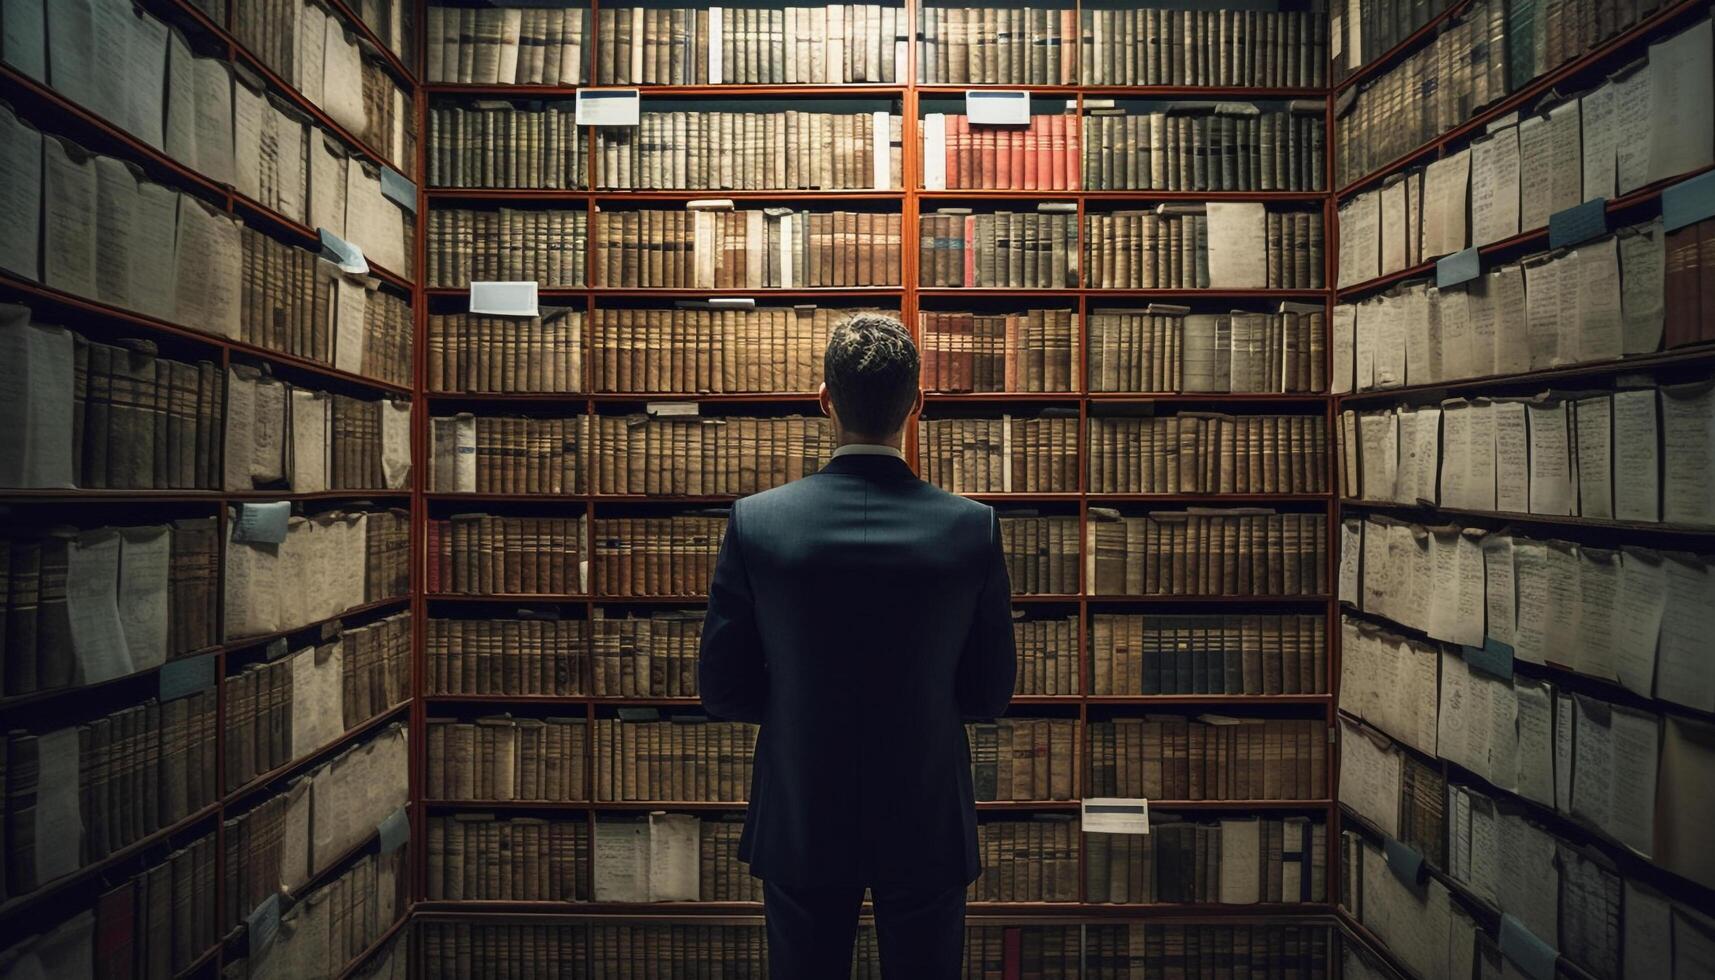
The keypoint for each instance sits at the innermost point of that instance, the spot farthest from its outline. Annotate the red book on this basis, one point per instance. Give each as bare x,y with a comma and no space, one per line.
116,933
967,153
970,250
958,150
997,146
1057,152
1074,155
1019,149
1013,968
962,336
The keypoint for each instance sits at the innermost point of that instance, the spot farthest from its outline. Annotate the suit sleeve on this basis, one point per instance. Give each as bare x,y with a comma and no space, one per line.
988,664
731,673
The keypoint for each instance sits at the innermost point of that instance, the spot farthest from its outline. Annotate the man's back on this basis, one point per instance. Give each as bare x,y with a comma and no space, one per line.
879,617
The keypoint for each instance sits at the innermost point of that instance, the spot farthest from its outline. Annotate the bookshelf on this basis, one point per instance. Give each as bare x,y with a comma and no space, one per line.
1446,797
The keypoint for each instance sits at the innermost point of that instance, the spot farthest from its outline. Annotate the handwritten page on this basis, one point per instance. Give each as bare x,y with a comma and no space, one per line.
92,602
1345,327
1419,451
1600,320
1601,139
180,128
1543,324
1534,778
1236,230
1635,137
1688,453
342,78
351,300
1563,599
1506,287
1648,923
154,272
250,159
1379,454
1566,144
1536,185
143,82
1500,606
1393,227
620,865
1637,491
1550,458
674,863
68,237
1351,552
312,418
117,201
1682,87
36,372
1643,264
1598,601
1530,568
20,196
1446,184
1565,733
1594,427
317,700
1512,457
72,68
375,222
327,185
1638,609
1360,239
1452,317
396,443
1456,451
1393,319
1495,187
208,257
24,37
145,561
1685,673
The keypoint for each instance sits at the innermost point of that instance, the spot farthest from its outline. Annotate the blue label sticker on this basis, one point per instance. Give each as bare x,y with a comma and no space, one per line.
1492,658
1535,958
342,253
187,676
393,831
263,523
1405,863
1688,201
1578,224
1451,270
262,923
398,189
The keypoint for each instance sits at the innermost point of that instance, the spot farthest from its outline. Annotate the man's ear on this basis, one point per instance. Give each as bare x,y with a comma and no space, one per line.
825,399
917,405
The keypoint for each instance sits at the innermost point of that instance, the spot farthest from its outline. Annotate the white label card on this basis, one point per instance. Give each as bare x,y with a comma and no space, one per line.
1007,108
1107,815
503,298
608,107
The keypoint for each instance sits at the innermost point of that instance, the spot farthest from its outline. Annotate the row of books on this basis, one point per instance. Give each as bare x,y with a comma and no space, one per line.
1164,46
1234,862
1688,281
1224,147
1047,652
505,245
1041,553
1180,247
485,857
490,454
282,436
322,566
696,455
786,149
155,922
507,45
503,758
1195,452
1550,601
1360,40
1024,758
636,950
317,54
682,759
1594,456
140,595
1027,860
1208,551
525,656
1034,350
1410,799
1209,758
483,554
1005,455
1041,155
1227,654
87,225
77,794
1016,250
656,556
829,44
712,248
764,349
290,838
106,416
291,706
1169,348
469,352
329,928
502,145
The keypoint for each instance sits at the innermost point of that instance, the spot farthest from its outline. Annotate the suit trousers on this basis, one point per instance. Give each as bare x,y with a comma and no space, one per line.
920,930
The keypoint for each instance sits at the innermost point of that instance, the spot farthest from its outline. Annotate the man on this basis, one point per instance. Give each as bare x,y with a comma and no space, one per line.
859,616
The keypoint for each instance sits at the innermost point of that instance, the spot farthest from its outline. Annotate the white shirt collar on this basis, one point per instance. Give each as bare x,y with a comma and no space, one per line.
867,449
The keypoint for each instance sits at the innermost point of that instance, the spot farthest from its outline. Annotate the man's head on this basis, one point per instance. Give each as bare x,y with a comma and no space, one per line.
871,370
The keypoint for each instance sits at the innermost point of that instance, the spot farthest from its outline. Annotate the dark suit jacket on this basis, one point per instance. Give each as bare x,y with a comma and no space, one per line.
859,616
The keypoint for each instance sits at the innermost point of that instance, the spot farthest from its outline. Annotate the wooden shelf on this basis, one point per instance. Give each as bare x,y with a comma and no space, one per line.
350,737
357,963
1385,60
1699,355
1127,195
1429,512
832,90
134,497
1602,56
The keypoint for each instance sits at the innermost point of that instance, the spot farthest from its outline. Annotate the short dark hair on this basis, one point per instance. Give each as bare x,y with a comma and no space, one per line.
871,368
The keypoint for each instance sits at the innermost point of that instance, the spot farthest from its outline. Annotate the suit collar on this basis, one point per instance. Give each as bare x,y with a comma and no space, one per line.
873,465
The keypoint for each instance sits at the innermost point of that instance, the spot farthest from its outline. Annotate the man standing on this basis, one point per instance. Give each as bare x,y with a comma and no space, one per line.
860,616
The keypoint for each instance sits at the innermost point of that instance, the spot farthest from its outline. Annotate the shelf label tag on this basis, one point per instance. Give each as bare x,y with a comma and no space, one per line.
1533,957
1578,224
189,675
504,298
1405,863
263,523
1688,201
398,189
393,831
1107,815
608,107
1005,108
262,923
342,253
1451,270
1493,658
